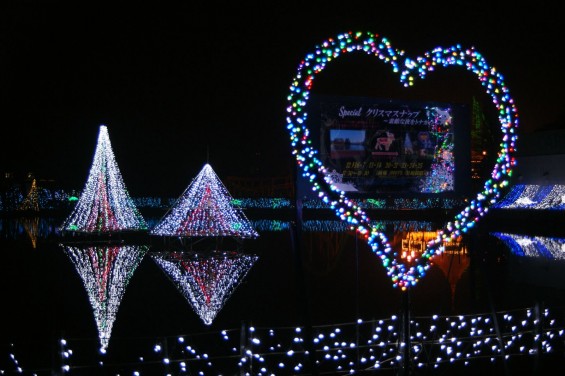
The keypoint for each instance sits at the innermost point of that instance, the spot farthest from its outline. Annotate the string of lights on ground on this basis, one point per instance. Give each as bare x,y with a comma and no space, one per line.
435,342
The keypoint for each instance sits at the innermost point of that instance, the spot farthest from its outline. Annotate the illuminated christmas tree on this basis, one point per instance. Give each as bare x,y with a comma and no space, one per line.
441,175
105,272
105,204
31,202
205,209
439,179
205,280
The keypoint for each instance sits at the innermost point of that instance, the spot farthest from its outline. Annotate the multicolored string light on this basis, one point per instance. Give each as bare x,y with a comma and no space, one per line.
206,280
408,69
205,209
105,272
105,204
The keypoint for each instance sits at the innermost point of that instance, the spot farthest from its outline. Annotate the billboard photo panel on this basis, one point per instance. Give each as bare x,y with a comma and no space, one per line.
376,146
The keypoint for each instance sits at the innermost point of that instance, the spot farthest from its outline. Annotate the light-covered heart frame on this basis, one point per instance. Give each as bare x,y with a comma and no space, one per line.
409,69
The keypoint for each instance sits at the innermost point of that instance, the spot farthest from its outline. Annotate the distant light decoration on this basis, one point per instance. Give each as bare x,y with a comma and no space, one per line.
105,272
263,203
396,203
272,225
105,205
533,196
205,209
206,280
548,248
314,225
409,69
31,202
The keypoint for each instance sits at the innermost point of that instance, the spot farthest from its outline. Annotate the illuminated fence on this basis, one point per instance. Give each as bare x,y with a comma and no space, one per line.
314,225
433,342
520,196
57,200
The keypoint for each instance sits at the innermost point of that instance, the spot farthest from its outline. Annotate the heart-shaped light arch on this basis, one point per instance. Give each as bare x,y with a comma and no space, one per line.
409,70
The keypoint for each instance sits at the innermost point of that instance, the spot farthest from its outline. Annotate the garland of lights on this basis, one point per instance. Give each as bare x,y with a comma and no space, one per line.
106,272
409,69
205,209
105,204
206,280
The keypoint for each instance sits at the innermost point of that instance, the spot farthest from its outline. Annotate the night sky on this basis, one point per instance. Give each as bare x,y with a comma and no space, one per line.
182,85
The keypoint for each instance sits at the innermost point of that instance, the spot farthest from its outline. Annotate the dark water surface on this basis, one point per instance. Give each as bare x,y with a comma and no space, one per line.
323,278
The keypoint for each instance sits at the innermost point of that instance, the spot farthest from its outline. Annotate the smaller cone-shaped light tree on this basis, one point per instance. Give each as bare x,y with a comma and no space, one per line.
105,204
106,272
205,209
205,280
31,202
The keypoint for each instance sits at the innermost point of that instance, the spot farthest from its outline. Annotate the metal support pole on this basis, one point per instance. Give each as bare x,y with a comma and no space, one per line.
404,336
301,284
242,347
538,335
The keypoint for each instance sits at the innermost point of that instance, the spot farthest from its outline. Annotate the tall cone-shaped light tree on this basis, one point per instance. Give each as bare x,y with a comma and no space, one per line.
205,209
105,204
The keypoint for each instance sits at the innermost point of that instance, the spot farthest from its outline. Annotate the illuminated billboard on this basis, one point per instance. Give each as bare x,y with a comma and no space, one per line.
375,146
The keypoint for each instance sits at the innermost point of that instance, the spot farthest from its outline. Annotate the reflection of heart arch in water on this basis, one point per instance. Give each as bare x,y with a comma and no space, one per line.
409,69
325,251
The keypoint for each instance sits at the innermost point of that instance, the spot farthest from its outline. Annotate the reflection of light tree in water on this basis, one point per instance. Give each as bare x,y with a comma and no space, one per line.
206,280
31,226
105,272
